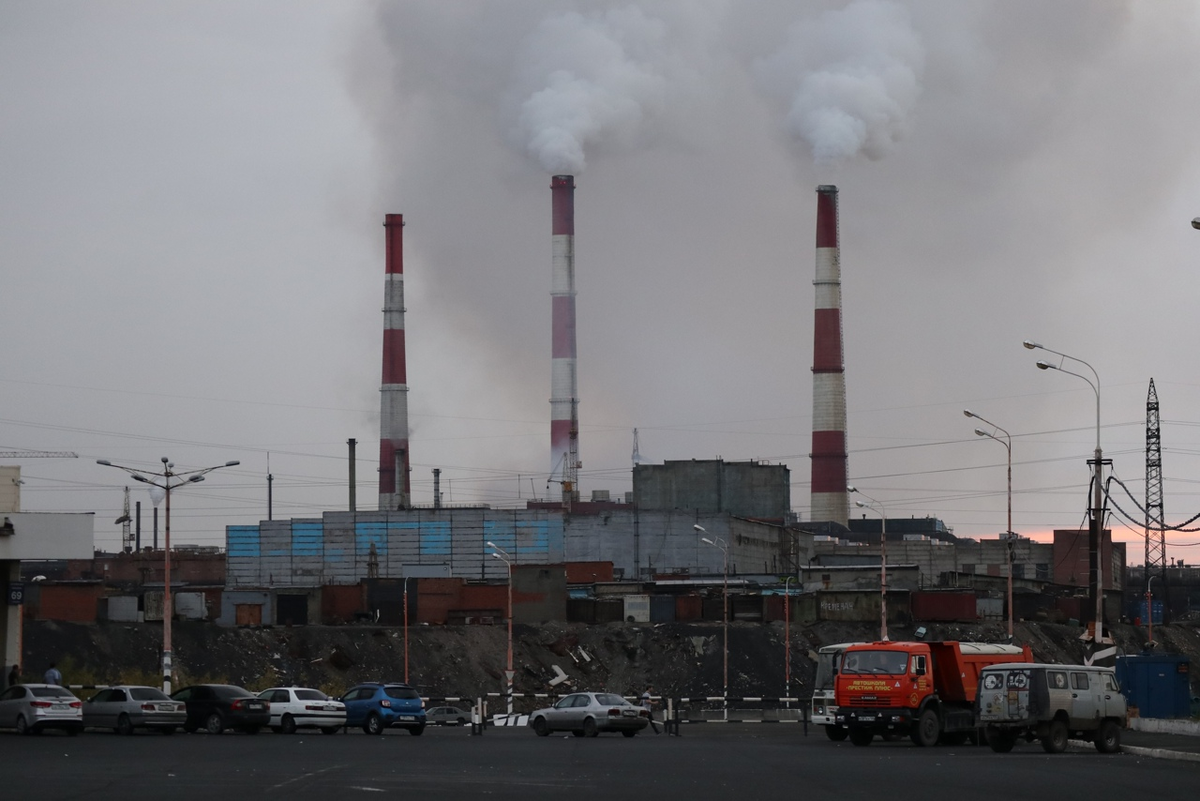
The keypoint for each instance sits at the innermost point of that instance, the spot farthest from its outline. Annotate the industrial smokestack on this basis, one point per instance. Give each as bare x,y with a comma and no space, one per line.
564,397
830,501
393,407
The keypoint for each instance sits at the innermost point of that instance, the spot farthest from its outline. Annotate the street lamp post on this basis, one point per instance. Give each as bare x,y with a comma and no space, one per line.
406,578
1149,606
1007,443
717,542
506,558
877,507
1096,534
787,642
168,480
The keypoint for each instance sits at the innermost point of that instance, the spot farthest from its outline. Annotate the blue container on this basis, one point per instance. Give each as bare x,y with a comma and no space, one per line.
1157,684
1156,608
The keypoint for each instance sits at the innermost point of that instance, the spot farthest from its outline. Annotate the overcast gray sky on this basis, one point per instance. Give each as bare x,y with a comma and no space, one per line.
191,199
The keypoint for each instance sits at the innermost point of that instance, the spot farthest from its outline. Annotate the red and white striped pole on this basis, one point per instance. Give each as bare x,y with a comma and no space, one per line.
393,406
830,502
564,397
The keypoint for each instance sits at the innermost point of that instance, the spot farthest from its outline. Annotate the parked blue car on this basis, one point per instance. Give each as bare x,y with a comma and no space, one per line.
380,705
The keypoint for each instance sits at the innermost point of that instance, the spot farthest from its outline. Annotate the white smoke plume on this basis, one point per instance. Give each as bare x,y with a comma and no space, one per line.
582,79
852,78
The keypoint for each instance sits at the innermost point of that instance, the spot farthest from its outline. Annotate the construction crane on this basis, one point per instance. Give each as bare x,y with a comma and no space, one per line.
28,454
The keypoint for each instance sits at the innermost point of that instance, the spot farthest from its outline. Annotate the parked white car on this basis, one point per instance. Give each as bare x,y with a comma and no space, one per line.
303,707
31,708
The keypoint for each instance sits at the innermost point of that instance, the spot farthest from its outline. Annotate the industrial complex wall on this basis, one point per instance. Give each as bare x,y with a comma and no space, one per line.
343,548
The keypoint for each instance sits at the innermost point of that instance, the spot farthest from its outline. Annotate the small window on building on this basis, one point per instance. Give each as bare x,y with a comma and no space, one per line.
1042,572
1018,570
968,568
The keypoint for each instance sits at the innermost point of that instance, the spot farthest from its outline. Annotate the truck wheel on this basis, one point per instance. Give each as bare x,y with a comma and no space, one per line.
1108,738
861,737
836,733
1055,740
1001,741
927,730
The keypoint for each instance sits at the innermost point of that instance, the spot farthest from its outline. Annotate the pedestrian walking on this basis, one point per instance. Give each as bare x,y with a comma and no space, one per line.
14,675
53,676
648,705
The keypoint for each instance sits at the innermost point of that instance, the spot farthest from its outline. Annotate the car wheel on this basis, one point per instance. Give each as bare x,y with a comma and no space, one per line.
373,725
926,732
1001,741
589,727
417,731
287,724
861,737
214,724
1055,740
1108,739
629,733
836,733
540,727
124,725
461,722
22,726
330,730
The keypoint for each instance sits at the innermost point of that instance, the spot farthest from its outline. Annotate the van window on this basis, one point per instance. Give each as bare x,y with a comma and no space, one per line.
1110,683
1079,681
1056,679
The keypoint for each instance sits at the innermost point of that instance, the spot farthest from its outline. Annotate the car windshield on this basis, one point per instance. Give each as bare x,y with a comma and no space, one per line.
892,662
401,692
148,694
50,692
608,699
311,695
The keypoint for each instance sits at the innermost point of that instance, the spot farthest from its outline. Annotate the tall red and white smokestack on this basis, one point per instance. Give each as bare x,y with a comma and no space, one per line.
564,397
830,501
393,406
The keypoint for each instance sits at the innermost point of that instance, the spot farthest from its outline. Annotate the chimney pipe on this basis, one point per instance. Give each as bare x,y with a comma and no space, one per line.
830,500
353,446
393,410
564,394
437,488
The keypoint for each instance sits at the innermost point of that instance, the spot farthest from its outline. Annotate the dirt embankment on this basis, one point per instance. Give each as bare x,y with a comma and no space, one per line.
680,659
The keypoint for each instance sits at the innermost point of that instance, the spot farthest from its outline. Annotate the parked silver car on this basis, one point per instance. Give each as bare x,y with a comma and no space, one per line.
128,707
33,708
588,714
447,716
303,707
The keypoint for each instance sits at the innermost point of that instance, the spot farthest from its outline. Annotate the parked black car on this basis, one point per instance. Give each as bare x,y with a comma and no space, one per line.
217,707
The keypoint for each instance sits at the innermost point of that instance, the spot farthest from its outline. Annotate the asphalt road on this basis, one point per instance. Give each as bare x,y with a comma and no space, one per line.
731,761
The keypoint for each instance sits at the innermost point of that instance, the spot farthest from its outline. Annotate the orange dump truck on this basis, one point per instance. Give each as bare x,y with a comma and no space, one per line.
923,689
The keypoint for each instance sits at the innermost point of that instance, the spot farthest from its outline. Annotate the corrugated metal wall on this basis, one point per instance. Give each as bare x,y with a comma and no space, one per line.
337,548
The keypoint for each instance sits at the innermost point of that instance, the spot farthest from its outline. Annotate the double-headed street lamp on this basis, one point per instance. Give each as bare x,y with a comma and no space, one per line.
1007,443
505,557
167,480
877,507
1096,538
717,542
